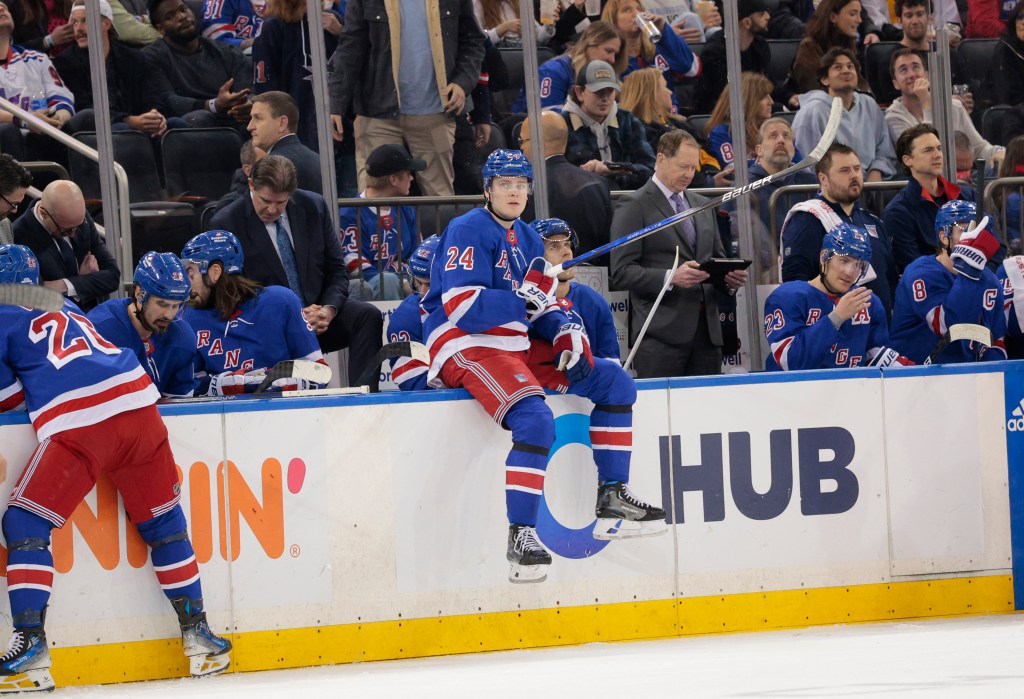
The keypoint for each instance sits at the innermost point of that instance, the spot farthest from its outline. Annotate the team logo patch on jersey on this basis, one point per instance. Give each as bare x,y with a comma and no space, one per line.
660,63
176,489
521,378
872,231
512,238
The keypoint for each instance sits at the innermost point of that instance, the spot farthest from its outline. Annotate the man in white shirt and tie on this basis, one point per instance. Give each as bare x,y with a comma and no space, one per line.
685,335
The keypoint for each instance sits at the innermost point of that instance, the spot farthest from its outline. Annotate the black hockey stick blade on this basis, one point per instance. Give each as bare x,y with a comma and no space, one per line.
31,296
304,369
962,331
813,157
414,350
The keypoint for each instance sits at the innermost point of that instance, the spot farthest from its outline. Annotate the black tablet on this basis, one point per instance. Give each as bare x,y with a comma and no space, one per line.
720,266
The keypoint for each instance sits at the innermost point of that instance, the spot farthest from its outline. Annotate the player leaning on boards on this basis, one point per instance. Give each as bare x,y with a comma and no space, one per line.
492,321
951,287
829,321
242,328
92,407
150,323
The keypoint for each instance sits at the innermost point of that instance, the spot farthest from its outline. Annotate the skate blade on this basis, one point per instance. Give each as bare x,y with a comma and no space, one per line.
206,665
526,574
29,681
612,529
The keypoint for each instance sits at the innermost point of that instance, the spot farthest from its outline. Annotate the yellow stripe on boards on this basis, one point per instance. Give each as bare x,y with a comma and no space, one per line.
535,628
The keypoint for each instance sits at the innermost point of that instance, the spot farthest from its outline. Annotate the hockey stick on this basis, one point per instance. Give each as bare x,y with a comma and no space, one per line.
31,296
414,350
661,294
303,369
813,157
961,331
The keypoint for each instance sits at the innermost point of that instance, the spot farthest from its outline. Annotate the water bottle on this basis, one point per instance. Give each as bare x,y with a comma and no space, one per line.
37,101
648,27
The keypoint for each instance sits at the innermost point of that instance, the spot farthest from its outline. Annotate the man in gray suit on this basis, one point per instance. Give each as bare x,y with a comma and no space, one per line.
685,336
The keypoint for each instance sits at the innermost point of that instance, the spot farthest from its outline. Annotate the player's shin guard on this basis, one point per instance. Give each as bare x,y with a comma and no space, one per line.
25,667
611,438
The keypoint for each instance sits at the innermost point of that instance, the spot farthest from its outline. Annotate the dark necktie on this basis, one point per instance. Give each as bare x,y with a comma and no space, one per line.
68,255
291,269
689,232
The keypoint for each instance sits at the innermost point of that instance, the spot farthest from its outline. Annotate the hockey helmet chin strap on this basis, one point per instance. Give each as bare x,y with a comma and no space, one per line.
828,287
505,221
140,316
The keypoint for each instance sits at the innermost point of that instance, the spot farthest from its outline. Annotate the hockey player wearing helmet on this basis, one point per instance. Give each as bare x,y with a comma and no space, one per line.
149,323
830,321
406,324
492,321
951,287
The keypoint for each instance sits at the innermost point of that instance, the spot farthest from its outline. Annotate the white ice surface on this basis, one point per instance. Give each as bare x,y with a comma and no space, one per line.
963,657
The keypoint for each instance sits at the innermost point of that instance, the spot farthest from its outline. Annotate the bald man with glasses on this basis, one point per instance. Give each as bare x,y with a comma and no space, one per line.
73,258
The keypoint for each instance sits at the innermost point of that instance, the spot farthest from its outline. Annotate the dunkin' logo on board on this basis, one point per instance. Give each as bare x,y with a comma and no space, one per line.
221,503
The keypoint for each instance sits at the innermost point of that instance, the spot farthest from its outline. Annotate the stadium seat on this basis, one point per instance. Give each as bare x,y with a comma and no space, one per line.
788,116
992,127
207,177
502,101
699,121
783,55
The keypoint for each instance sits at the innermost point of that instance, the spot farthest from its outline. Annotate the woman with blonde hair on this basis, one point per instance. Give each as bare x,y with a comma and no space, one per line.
670,53
600,41
501,23
757,108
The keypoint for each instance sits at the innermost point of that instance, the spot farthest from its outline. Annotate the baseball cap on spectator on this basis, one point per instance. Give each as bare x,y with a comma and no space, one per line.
750,7
105,11
597,76
392,158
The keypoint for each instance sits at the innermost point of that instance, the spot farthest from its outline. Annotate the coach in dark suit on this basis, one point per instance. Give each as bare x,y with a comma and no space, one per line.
289,240
272,123
72,256
685,336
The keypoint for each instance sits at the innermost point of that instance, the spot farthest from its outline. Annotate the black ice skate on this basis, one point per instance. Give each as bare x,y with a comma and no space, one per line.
526,556
25,667
208,653
622,515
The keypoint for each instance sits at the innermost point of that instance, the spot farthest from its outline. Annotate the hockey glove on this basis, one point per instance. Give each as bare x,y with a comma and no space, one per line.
975,249
888,357
572,352
234,383
538,289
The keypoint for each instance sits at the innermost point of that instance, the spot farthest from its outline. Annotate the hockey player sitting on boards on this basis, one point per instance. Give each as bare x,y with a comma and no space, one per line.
829,321
92,407
406,324
492,320
242,328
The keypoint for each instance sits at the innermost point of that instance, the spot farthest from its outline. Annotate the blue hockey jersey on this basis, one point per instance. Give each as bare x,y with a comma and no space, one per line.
472,300
263,331
406,325
801,336
232,21
585,306
66,372
1013,294
362,252
169,358
930,298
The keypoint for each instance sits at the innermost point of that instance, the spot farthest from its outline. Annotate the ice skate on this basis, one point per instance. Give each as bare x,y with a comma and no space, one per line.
622,515
527,557
208,653
25,667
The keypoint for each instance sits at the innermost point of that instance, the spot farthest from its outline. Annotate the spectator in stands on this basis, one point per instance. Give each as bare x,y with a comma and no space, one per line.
671,55
987,19
1006,73
835,24
377,241
282,61
646,96
757,108
788,20
131,22
14,183
205,82
863,123
40,25
774,152
600,41
755,54
685,335
370,73
289,239
272,122
133,101
914,106
473,129
1012,166
501,23
248,156
235,22
601,133
910,216
964,159
581,198
840,175
73,258
698,22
